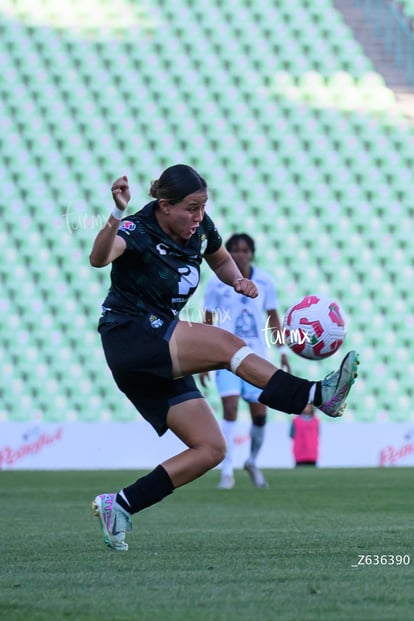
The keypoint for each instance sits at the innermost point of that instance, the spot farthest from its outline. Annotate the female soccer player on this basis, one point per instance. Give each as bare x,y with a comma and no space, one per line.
156,255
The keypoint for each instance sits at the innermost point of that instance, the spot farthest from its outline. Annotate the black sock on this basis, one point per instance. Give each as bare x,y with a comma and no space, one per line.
146,491
317,400
286,393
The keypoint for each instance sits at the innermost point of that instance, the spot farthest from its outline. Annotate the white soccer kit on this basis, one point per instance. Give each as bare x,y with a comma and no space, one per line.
246,317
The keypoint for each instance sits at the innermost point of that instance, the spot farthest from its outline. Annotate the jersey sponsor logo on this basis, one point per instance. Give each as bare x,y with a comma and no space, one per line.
246,325
128,226
189,279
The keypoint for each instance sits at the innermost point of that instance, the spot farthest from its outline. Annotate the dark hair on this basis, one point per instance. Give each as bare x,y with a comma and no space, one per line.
177,182
237,237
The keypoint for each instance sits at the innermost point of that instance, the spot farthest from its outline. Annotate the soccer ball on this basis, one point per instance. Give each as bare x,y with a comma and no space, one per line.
314,327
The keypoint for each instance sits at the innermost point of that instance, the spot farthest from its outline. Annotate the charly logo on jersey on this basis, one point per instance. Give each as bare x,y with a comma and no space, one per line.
155,321
128,226
162,249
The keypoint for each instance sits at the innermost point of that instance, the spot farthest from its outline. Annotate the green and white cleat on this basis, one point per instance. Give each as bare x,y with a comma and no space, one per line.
115,521
336,386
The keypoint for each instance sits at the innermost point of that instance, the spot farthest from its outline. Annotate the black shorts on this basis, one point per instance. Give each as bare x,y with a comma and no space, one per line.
137,352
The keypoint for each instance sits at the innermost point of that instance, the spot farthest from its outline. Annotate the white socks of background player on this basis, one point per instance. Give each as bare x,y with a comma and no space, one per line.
229,428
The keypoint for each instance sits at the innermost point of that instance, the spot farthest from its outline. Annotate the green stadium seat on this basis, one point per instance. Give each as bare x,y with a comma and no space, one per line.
301,142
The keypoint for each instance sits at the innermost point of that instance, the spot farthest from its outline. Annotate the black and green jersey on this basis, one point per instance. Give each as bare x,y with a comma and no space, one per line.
154,274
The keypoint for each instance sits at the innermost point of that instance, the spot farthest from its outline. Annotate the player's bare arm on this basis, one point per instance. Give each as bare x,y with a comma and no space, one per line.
108,246
276,327
222,263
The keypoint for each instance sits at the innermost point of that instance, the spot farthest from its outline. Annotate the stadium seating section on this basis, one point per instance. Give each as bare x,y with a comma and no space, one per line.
301,142
408,7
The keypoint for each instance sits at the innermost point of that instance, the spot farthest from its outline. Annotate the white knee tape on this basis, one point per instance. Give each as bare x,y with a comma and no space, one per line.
239,356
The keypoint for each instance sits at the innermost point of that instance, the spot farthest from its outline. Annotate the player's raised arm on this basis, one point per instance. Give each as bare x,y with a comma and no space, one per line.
107,245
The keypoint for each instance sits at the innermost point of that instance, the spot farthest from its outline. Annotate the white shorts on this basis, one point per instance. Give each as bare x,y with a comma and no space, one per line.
229,384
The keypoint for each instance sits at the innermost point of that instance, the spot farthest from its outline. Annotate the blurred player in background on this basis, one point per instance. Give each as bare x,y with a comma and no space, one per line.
304,432
156,255
250,319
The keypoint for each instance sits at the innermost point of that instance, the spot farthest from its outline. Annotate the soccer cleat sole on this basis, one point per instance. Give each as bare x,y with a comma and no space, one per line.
96,513
354,375
351,383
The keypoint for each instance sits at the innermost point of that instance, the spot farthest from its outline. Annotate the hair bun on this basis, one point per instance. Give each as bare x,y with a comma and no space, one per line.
154,188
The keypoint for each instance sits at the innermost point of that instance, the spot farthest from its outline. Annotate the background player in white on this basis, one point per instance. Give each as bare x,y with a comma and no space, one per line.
248,318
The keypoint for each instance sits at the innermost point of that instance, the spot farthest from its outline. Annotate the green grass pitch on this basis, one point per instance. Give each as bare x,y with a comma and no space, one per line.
281,554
